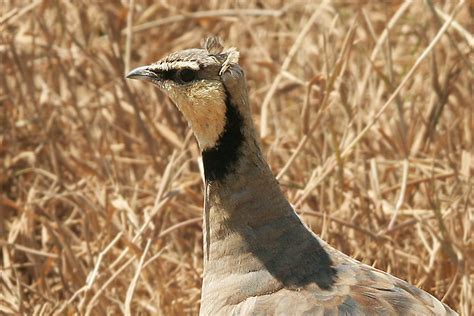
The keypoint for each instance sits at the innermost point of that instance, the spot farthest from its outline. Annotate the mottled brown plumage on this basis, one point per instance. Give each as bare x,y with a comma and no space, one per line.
259,257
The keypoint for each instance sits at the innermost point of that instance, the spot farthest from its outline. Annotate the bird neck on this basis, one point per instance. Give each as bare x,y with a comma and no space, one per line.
248,223
238,180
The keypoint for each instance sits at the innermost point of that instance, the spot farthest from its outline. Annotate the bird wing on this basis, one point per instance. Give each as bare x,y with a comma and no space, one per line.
358,290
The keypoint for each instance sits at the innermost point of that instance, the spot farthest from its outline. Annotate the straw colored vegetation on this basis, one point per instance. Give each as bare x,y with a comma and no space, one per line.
366,116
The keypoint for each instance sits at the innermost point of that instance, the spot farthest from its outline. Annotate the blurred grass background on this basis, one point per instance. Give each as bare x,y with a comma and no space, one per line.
101,194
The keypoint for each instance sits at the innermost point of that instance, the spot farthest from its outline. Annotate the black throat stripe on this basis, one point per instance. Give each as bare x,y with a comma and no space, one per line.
220,160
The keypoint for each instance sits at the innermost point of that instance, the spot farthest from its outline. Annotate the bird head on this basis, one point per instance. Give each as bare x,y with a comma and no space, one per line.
199,81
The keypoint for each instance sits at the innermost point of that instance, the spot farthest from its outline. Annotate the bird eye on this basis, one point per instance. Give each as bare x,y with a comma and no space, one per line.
186,75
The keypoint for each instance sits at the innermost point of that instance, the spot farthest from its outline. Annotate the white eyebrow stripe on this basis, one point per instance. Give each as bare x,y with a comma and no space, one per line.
175,65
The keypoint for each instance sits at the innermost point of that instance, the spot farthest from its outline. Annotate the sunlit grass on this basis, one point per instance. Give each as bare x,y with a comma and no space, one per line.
101,194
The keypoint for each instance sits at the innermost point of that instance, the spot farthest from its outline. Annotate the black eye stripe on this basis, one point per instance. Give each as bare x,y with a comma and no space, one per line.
168,75
181,76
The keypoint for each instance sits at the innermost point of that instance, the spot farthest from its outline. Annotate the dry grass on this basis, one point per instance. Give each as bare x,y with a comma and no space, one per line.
101,193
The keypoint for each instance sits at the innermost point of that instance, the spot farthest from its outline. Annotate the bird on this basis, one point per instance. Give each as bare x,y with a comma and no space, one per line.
259,257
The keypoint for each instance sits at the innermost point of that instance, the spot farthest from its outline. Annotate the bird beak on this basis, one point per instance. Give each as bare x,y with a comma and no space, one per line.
142,73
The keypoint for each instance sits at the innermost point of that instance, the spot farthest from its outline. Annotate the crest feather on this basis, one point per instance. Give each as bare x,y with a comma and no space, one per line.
213,45
232,59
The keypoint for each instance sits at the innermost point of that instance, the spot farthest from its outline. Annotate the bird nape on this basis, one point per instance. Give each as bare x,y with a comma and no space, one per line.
259,257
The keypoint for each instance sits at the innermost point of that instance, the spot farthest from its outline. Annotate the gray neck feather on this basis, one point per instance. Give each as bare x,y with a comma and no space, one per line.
250,225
